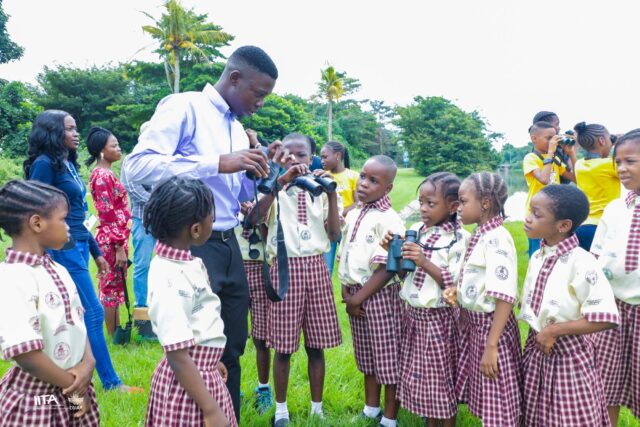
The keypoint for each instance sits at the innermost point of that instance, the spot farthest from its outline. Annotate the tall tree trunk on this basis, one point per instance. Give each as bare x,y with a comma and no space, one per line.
176,77
330,122
167,73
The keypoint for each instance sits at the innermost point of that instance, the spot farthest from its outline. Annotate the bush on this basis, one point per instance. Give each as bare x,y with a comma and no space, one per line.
10,169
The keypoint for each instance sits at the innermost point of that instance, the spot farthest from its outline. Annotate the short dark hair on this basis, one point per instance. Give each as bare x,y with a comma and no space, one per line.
448,184
387,162
295,136
96,140
539,126
491,185
255,58
631,136
587,134
543,116
20,199
176,204
568,202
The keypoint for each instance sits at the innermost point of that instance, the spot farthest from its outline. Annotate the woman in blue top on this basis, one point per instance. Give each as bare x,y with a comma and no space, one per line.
53,145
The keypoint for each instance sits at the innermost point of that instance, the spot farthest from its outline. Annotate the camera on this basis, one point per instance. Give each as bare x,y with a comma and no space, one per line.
315,185
568,138
395,262
267,185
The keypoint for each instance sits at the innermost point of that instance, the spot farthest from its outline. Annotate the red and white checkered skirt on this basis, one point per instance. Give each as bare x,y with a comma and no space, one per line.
563,389
376,337
497,402
258,301
618,357
170,405
308,306
428,362
28,401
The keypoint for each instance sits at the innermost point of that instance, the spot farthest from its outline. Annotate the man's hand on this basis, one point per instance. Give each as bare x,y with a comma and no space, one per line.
252,160
253,138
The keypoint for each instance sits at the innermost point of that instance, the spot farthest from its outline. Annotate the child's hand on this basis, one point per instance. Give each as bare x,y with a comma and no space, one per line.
322,172
293,172
414,253
546,340
450,296
354,308
85,405
253,138
223,371
553,143
246,207
489,362
82,375
216,419
386,240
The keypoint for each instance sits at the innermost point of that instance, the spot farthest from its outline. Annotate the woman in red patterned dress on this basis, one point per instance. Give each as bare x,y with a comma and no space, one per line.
110,200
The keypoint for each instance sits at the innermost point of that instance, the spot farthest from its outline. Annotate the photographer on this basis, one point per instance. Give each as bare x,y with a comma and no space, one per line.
554,120
596,175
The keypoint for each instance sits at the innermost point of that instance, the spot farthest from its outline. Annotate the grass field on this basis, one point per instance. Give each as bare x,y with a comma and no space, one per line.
343,396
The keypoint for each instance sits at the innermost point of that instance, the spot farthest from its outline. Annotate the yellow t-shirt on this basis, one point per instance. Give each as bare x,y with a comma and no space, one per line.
599,180
346,180
532,162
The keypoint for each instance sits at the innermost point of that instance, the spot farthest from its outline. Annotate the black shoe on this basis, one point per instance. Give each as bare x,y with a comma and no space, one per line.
282,422
145,331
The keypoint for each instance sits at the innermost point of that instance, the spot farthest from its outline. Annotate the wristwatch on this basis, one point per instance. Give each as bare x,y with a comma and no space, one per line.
547,161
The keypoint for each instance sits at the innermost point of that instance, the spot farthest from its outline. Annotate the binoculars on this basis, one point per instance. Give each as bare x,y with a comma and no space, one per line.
266,185
395,262
567,140
315,185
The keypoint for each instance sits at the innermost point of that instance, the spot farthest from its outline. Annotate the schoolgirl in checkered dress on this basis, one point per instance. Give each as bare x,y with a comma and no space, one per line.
565,297
617,244
188,385
490,366
430,339
370,292
41,317
308,224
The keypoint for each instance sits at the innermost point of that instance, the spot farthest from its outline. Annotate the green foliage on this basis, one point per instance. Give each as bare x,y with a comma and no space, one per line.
9,50
442,137
9,169
513,156
17,111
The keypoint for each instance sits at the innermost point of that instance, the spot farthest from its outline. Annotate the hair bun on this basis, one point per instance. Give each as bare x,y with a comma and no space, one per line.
580,127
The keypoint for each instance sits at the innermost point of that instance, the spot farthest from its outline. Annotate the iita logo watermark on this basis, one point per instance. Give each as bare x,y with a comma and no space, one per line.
73,402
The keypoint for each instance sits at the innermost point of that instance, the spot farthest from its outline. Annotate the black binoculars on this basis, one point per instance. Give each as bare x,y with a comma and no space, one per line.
315,185
267,185
567,140
395,262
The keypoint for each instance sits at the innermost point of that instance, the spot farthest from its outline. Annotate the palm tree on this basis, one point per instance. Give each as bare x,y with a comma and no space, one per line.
184,35
333,86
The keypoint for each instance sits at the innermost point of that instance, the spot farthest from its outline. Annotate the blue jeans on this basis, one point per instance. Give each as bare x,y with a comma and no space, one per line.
534,245
585,235
330,257
76,261
143,245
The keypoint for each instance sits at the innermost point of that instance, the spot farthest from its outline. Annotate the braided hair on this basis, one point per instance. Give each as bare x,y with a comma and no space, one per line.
96,141
47,137
631,136
336,147
21,199
568,202
492,186
176,204
448,184
587,134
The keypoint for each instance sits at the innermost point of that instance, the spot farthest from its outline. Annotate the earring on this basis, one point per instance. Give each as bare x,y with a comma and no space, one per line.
102,156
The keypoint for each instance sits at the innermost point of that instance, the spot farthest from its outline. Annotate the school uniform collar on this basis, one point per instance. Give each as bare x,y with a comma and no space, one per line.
383,204
172,253
563,247
14,257
492,224
446,227
632,198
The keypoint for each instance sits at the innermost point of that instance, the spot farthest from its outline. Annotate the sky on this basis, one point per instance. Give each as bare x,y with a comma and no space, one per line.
505,59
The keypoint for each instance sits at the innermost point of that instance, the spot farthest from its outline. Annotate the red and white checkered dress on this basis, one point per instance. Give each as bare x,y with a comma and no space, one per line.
23,403
309,306
258,301
618,357
169,403
376,336
428,362
563,389
497,402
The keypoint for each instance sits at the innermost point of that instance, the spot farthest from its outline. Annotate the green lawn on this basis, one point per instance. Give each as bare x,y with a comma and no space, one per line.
343,384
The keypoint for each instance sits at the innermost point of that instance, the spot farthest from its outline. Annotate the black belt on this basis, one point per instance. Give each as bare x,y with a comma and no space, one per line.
222,235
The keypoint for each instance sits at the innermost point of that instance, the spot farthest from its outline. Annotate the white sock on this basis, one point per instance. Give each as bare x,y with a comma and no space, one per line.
260,385
386,422
316,408
371,411
281,411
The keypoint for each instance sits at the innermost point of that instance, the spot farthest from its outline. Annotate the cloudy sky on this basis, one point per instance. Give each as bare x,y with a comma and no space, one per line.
506,59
